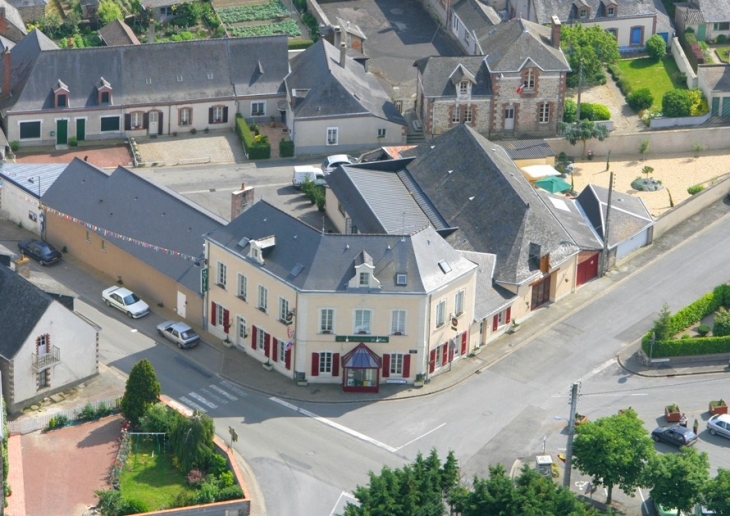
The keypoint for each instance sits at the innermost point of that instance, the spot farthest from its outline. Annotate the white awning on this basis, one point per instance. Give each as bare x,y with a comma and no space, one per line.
539,171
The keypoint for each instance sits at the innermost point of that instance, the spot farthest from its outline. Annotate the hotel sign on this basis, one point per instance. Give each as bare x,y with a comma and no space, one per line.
362,338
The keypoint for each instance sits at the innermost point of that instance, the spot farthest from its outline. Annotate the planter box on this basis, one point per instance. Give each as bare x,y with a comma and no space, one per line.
673,417
228,344
302,383
418,384
268,367
718,409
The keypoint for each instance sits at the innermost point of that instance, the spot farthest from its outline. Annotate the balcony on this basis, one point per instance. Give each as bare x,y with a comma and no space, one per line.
46,360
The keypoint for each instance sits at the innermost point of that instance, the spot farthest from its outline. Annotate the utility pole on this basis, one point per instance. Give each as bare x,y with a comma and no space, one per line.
571,432
605,232
580,87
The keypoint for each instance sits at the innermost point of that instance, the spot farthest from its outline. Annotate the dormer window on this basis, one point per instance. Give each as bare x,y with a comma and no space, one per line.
61,93
463,87
103,92
583,14
364,276
61,100
529,81
611,11
364,279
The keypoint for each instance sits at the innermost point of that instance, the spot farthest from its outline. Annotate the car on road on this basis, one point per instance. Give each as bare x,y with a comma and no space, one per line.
701,510
719,424
179,333
126,301
39,250
331,163
674,435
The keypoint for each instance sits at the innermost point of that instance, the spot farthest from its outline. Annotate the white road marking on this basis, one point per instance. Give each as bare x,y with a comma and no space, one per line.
337,503
216,398
224,393
641,495
180,407
202,400
417,438
192,404
334,425
640,394
234,388
608,363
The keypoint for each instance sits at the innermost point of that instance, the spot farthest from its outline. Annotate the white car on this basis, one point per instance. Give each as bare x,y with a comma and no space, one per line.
126,301
331,163
719,424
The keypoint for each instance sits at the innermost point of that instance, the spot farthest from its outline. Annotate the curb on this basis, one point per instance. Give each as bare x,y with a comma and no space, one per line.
623,366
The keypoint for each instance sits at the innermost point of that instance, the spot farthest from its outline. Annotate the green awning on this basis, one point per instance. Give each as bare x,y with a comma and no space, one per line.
553,184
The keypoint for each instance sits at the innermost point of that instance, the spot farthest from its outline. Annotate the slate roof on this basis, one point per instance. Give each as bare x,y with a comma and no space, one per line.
118,33
717,77
34,178
527,149
13,16
151,74
476,187
310,260
691,15
334,91
629,215
135,207
490,298
22,305
567,10
476,16
436,73
508,46
161,3
23,58
570,215
714,10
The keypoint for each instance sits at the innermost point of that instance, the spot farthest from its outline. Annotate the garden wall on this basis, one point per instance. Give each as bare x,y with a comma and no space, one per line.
683,63
684,121
318,13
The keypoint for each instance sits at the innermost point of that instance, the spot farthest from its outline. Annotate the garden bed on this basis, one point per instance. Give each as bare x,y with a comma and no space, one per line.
659,76
261,19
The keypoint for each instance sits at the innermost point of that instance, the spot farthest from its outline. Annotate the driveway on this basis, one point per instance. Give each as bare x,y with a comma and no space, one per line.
624,118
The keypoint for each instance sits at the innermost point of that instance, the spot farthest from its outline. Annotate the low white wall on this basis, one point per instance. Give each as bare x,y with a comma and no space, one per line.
683,63
685,121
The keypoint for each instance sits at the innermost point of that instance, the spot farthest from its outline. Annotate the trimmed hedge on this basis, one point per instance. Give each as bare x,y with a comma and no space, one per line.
255,150
286,148
594,112
297,43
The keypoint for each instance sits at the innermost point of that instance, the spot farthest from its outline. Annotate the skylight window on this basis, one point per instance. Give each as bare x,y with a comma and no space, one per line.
445,267
401,279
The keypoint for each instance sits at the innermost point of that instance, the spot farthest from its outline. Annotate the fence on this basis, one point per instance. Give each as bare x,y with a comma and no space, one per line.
27,425
684,121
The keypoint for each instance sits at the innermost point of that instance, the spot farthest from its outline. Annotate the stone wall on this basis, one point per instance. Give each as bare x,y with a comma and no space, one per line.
443,111
683,64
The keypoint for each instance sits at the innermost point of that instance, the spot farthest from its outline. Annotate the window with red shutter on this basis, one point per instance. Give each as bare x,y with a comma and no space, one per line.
386,365
287,360
275,350
509,314
406,366
213,313
315,364
463,343
254,335
226,320
495,323
445,353
432,361
335,364
267,344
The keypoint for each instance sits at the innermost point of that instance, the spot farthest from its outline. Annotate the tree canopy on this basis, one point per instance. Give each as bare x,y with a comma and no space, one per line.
141,391
614,450
192,442
593,46
109,11
678,479
717,493
583,131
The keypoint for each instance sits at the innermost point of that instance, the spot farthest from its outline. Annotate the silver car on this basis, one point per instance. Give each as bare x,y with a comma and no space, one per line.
719,424
179,333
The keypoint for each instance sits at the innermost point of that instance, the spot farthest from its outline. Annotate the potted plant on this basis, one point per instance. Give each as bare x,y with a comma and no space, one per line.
268,365
515,327
419,381
580,419
718,407
672,413
590,155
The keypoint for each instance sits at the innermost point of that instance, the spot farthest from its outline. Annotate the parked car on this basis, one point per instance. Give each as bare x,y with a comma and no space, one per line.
179,333
719,424
661,511
126,301
674,435
701,510
39,250
330,163
304,173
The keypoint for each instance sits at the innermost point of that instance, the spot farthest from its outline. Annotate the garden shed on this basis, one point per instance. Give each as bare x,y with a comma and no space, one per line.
714,81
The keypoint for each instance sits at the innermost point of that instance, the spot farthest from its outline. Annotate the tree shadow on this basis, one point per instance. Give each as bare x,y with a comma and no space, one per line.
105,434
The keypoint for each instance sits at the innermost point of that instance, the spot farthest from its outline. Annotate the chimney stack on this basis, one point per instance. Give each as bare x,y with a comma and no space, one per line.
241,200
555,26
22,267
151,32
343,54
338,36
7,69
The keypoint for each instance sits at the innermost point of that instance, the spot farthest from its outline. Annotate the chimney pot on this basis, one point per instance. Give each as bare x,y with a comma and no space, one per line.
338,36
555,27
343,54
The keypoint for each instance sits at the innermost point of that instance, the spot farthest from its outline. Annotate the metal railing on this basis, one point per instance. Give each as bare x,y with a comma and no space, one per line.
46,360
26,425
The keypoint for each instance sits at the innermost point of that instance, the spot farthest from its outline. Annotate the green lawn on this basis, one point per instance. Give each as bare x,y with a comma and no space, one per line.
723,52
151,477
660,77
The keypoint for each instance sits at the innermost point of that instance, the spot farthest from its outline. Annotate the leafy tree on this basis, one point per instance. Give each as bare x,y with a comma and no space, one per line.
141,391
717,493
663,324
679,479
583,131
640,99
159,418
570,111
656,47
614,451
676,103
721,323
593,46
109,11
192,442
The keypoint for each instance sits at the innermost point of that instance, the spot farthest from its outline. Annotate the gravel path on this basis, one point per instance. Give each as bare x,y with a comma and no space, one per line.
624,118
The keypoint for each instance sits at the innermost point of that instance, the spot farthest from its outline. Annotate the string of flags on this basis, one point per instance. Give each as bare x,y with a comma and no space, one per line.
111,234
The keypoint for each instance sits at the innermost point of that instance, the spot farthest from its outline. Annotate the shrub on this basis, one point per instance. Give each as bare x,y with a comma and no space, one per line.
88,412
134,506
159,418
73,141
218,464
640,99
699,103
14,145
656,47
695,189
254,149
225,479
676,103
722,38
721,324
593,112
229,493
58,421
195,477
570,109
703,330
299,44
286,148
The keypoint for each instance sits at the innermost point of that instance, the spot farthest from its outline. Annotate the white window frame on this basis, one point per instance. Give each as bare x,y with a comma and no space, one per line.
468,115
217,114
398,322
327,315
396,364
440,313
501,318
455,24
260,340
136,120
241,325
583,14
325,362
222,275
283,309
242,286
463,87
381,133
263,299
282,350
364,279
439,357
544,113
186,116
333,136
258,103
363,319
459,302
220,315
456,115
530,80
611,11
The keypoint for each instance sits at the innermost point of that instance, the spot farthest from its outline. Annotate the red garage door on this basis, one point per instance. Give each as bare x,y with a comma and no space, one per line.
587,270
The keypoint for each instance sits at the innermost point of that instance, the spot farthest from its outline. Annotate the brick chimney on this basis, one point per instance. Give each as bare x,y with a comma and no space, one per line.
343,54
7,69
338,36
151,32
241,200
3,21
22,267
555,34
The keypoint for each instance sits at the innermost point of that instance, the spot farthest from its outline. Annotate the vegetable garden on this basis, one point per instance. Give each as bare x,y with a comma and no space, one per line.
259,20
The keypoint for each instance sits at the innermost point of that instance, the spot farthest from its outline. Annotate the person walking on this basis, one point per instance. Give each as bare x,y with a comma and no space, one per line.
695,426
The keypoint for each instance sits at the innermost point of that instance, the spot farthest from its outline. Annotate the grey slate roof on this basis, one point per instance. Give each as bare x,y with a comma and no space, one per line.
489,297
23,58
717,76
149,74
691,15
570,215
629,215
476,187
334,91
509,45
118,33
22,304
34,178
326,261
567,10
476,16
714,10
436,75
161,3
135,207
13,16
527,149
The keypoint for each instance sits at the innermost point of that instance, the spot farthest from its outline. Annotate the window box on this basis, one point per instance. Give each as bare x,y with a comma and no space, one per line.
397,333
326,332
242,298
261,308
362,333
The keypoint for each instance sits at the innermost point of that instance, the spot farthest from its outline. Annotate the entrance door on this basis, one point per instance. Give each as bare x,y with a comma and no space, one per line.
540,293
80,129
726,106
701,32
715,106
181,304
637,36
509,119
61,132
154,121
240,331
587,270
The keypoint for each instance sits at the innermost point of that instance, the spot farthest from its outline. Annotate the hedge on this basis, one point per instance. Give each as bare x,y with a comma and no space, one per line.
692,49
298,43
253,149
286,148
594,112
686,317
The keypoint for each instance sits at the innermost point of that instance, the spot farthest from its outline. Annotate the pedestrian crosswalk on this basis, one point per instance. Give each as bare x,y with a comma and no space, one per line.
213,396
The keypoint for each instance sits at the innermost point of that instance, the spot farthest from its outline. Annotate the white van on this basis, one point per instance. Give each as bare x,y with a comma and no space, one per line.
307,172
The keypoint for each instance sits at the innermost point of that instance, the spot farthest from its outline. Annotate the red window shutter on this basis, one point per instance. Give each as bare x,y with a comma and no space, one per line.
213,313
267,344
445,358
406,366
451,354
275,351
495,323
386,365
254,331
315,364
226,320
432,361
335,364
463,343
288,359
509,314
